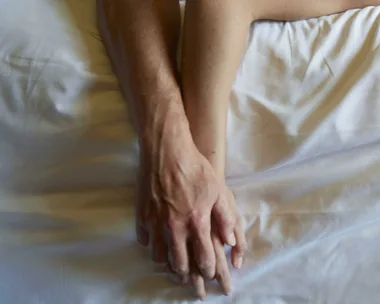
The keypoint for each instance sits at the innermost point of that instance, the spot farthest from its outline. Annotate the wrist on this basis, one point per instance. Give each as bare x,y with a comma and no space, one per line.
217,162
212,145
208,129
166,128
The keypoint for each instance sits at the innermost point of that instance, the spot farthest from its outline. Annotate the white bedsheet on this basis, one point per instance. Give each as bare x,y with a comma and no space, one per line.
303,161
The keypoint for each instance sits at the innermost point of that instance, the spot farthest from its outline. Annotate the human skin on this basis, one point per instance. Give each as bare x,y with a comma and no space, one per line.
214,37
179,193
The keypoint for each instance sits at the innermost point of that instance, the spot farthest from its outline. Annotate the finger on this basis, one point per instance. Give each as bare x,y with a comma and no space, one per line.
196,279
142,235
222,272
199,285
225,218
141,210
159,247
142,232
241,245
203,248
179,259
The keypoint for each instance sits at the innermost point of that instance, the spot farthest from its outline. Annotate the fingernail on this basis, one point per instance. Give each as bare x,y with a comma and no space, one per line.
239,263
231,239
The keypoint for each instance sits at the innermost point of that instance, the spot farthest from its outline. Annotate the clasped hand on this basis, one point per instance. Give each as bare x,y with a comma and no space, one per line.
186,213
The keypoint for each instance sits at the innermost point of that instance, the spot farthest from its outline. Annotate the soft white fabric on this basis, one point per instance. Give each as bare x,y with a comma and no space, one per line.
303,160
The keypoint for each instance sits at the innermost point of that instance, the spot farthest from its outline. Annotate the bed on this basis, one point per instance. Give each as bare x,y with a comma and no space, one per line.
303,162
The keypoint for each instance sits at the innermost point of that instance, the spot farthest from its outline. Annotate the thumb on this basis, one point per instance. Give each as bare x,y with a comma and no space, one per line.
225,219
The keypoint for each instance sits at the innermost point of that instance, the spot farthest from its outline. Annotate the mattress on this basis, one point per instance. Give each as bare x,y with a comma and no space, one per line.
303,162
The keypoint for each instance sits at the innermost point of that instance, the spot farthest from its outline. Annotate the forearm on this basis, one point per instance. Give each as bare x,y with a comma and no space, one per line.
141,38
214,39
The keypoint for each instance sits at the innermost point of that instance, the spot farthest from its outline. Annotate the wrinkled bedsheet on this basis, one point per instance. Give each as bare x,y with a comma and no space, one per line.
303,161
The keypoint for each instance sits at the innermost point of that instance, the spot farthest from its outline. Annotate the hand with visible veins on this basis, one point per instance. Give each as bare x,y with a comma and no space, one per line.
182,184
222,273
183,194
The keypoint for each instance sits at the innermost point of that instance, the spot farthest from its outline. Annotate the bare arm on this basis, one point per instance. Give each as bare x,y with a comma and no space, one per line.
178,187
141,38
214,39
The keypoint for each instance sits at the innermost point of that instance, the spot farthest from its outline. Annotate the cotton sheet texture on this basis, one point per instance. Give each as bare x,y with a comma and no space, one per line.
303,161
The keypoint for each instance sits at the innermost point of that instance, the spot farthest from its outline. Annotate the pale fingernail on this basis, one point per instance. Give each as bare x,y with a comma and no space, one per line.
239,263
231,239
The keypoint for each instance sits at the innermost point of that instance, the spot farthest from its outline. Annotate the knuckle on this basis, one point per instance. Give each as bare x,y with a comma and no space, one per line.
206,264
200,222
178,266
207,268
229,221
181,269
202,219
